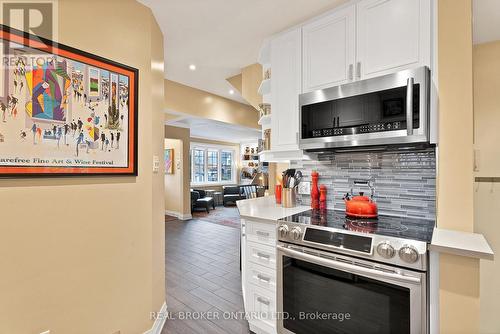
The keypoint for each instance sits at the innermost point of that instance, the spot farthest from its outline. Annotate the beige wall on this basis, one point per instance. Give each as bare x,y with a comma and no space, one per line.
174,182
459,276
247,84
487,195
187,100
455,116
157,189
86,255
237,82
181,134
251,78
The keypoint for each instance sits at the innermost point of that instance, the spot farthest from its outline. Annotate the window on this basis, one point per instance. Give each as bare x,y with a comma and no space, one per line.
226,164
198,166
212,164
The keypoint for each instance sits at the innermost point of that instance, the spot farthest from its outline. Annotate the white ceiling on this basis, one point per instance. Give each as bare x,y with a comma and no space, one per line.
223,36
216,130
486,21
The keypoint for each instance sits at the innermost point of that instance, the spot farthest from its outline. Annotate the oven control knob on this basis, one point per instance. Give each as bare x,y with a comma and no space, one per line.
283,231
408,254
385,250
296,232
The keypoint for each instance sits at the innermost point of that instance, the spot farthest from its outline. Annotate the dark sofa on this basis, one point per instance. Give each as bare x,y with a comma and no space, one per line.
231,194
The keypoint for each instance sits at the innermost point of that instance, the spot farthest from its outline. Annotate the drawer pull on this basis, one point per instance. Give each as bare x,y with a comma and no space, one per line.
263,234
263,301
263,256
263,278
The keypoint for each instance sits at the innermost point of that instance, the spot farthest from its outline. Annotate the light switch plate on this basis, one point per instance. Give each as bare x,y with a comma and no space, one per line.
156,164
46,332
304,188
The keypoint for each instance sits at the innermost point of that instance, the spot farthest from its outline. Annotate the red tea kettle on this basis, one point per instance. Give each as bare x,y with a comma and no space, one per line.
361,206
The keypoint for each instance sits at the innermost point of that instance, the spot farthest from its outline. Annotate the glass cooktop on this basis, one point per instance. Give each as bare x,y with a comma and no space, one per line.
399,227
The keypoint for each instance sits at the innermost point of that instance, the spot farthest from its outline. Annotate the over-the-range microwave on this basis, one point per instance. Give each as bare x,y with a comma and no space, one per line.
389,110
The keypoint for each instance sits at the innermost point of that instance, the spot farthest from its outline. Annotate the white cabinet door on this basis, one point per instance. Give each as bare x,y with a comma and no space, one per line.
328,50
392,35
285,88
262,307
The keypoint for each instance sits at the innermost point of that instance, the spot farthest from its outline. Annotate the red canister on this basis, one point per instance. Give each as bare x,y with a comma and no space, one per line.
277,193
322,197
314,191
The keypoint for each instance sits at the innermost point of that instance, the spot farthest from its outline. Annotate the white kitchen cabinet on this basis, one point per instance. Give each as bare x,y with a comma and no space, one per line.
258,263
262,303
328,50
285,88
391,35
376,37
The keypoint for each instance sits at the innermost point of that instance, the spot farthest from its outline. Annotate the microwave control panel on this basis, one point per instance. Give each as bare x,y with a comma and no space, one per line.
368,128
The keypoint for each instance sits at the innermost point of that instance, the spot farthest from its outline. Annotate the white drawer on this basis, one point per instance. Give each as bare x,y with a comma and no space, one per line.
261,254
261,276
261,232
261,304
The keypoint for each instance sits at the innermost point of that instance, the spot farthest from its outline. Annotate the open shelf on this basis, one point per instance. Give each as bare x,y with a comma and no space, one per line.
265,122
265,87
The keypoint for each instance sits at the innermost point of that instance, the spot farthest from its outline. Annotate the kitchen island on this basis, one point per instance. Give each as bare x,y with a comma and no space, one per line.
259,217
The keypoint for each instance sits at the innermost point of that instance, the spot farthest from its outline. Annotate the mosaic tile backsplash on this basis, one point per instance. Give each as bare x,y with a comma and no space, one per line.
404,182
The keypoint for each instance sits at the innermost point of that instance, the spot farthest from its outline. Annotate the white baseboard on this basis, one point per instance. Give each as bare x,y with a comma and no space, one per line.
178,215
160,319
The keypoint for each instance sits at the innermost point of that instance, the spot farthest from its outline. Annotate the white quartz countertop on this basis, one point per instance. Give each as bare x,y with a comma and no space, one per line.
461,243
443,241
265,208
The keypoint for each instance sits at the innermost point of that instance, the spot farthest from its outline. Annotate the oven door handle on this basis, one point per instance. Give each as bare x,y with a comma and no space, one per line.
348,267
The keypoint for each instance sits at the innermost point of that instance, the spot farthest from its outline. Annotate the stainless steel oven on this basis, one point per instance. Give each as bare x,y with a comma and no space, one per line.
389,110
325,292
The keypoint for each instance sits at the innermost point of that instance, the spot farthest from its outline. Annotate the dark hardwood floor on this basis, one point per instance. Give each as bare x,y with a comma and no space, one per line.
203,276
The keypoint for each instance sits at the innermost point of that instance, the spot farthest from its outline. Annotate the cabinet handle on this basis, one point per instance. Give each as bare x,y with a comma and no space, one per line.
351,72
263,234
409,107
358,70
263,278
263,256
263,301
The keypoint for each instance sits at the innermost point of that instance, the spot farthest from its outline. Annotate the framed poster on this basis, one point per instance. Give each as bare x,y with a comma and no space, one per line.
64,111
169,161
